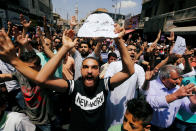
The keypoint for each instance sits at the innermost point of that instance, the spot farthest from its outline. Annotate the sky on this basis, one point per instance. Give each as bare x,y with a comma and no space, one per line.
66,7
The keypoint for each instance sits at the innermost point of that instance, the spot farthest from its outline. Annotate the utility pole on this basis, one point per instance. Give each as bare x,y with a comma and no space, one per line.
120,7
115,8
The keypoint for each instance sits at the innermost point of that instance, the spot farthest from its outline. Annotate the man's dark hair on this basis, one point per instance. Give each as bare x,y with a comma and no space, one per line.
84,42
140,110
103,45
29,57
91,58
112,54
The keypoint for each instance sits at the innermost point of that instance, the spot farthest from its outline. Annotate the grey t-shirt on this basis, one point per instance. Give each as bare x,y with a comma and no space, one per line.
78,63
38,105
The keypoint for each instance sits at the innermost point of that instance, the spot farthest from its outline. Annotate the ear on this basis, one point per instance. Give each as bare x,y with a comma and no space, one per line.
147,128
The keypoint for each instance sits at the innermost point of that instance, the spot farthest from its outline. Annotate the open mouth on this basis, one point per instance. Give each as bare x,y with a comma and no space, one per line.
132,56
89,81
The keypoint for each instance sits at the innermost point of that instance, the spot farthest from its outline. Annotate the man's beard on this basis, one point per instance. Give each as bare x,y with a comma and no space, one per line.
84,54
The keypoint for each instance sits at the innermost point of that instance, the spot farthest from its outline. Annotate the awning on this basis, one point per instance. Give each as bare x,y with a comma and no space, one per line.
184,29
129,31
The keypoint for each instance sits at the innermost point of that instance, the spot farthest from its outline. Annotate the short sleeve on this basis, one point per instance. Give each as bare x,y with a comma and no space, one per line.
107,84
92,55
70,86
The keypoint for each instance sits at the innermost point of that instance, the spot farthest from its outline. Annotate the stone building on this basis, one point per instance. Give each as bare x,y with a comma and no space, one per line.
33,10
169,15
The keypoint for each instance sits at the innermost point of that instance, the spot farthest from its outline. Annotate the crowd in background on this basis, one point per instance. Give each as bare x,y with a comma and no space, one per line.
42,73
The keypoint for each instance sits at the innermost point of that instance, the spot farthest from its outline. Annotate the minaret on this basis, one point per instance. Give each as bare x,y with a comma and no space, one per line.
76,14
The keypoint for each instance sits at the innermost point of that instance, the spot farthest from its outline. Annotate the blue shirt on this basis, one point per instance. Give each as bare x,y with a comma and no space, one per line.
163,113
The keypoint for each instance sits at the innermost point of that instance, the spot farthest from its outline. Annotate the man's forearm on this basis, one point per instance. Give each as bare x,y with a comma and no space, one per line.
24,69
162,63
128,64
98,49
50,67
170,98
145,86
187,66
5,77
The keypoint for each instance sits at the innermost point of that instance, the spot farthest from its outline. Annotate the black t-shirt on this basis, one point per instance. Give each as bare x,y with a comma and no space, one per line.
87,112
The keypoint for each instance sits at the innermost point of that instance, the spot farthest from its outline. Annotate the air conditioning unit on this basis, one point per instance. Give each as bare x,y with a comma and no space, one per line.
146,18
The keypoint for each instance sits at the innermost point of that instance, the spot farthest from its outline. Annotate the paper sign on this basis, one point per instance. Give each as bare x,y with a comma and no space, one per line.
179,46
98,25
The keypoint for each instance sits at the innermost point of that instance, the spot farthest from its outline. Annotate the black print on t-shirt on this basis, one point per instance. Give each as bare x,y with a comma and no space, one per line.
89,104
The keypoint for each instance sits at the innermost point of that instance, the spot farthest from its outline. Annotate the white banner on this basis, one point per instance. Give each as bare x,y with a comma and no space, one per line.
98,25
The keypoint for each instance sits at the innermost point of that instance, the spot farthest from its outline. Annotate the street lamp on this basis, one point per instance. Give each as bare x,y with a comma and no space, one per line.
115,7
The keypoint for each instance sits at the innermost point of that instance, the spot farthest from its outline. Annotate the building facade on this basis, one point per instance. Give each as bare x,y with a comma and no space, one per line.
178,16
168,15
132,22
33,10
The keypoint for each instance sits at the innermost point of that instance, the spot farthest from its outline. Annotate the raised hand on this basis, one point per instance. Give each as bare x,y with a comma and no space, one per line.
159,35
117,28
185,91
68,38
38,31
15,31
44,21
171,38
73,22
9,24
24,22
120,30
7,50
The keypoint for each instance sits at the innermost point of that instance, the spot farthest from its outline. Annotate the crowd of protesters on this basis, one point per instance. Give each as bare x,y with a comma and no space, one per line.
57,82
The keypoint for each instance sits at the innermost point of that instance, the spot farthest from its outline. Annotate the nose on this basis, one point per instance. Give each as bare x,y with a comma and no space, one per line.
89,70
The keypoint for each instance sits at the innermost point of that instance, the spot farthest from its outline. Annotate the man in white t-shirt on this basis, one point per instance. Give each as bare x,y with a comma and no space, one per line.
116,101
